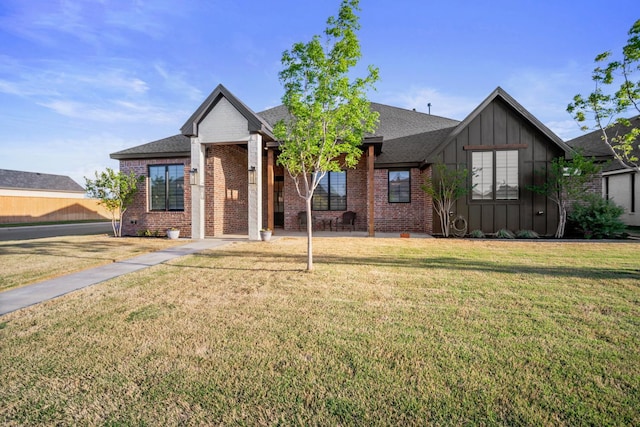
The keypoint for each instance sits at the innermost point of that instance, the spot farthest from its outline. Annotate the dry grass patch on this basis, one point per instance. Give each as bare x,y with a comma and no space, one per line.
384,332
29,261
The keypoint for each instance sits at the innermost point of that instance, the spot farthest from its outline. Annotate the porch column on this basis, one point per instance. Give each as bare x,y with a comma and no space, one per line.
371,192
198,154
254,157
270,179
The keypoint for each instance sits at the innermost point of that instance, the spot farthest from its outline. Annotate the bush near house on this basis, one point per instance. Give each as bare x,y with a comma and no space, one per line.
598,218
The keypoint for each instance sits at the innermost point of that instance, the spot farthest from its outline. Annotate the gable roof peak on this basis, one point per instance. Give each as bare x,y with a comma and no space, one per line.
255,122
502,94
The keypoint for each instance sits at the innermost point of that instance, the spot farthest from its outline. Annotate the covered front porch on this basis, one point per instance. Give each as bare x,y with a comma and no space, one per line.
236,185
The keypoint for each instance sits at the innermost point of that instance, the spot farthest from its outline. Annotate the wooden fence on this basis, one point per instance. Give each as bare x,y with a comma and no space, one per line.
18,209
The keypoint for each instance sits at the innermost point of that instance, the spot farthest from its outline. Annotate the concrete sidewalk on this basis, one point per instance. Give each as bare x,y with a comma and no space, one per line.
15,299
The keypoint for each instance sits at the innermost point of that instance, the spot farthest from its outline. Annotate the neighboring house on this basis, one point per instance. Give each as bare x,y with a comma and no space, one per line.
620,182
220,176
37,197
34,184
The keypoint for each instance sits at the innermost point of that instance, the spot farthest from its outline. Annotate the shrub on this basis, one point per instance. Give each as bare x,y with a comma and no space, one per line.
477,234
503,233
527,234
598,218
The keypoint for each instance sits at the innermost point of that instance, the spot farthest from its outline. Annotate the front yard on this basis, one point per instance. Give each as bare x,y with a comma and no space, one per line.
384,332
28,261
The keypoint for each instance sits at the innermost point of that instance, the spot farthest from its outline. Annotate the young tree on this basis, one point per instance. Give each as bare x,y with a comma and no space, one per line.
115,191
445,186
616,94
566,181
329,112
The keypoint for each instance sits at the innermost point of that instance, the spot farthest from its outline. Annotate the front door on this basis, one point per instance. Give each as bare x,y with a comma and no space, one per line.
278,201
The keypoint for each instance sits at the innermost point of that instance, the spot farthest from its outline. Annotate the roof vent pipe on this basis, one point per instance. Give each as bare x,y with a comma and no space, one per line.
429,107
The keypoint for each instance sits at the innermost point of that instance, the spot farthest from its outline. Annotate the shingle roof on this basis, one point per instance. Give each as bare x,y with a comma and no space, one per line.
19,180
592,144
409,137
173,146
411,150
394,122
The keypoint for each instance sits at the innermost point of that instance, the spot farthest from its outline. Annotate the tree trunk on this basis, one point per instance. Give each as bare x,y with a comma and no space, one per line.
562,220
309,235
113,226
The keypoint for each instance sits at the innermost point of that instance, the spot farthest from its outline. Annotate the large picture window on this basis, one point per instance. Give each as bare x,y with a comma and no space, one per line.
494,175
166,187
331,193
399,186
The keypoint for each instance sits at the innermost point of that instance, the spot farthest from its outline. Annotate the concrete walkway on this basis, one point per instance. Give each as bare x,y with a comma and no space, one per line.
16,299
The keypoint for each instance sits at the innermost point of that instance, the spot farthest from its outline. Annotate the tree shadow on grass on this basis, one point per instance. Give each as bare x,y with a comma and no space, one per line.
69,249
425,263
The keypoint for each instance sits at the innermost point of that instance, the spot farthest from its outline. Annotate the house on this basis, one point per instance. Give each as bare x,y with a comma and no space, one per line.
38,197
620,182
220,174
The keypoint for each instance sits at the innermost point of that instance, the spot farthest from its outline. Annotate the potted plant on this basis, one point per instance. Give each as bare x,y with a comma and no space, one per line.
173,233
265,234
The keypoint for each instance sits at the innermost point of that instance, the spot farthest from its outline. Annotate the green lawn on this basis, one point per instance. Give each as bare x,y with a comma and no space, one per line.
384,332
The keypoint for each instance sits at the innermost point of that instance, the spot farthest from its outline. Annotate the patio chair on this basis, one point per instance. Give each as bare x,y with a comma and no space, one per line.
347,219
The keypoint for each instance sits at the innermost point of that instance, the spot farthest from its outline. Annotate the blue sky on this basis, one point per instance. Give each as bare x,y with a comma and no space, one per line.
80,79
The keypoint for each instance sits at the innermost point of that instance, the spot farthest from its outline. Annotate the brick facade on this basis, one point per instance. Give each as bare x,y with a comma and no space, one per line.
416,216
226,195
356,199
226,198
139,218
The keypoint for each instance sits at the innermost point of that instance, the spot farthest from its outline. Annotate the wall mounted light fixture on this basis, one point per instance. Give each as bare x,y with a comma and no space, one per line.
252,174
193,176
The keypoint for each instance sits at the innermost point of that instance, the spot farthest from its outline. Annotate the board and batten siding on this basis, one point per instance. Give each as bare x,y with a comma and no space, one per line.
495,126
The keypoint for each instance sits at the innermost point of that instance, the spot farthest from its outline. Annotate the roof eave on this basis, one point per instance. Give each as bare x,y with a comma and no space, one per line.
127,156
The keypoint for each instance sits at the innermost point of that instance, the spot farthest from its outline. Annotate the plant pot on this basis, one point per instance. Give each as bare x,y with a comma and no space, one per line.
265,235
404,235
173,234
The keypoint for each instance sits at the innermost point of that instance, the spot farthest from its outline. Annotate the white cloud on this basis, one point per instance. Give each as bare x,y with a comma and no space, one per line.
113,111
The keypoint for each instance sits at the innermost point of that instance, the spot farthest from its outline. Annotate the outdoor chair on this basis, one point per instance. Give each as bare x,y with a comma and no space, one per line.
348,219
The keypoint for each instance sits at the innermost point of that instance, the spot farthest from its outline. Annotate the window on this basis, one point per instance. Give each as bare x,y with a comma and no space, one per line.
166,187
399,186
494,175
331,193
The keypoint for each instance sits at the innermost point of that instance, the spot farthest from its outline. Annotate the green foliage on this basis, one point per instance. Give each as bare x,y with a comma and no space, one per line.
445,186
503,233
477,234
115,191
616,93
527,234
329,112
598,218
566,180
